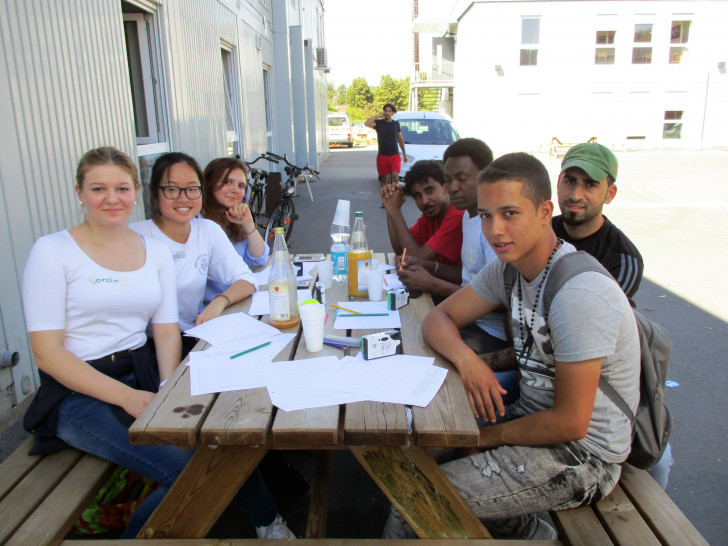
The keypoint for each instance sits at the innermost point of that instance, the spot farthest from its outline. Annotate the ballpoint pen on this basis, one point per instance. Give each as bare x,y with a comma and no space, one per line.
250,350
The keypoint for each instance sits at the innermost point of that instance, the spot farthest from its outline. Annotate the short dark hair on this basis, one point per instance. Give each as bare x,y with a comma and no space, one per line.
477,150
389,105
523,168
163,163
422,170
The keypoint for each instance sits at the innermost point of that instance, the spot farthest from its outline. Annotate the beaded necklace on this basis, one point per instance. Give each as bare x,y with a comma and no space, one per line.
528,341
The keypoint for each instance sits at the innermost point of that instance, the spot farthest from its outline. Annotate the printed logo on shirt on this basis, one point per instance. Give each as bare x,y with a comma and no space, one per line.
201,264
179,256
109,280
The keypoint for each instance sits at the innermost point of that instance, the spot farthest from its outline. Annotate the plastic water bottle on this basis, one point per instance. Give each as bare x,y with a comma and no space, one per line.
282,285
340,233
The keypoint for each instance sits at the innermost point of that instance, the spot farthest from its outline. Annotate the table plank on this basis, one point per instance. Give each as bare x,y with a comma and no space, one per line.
315,426
448,420
420,491
173,416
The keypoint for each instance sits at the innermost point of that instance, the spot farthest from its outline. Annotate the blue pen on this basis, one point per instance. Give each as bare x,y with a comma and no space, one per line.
335,345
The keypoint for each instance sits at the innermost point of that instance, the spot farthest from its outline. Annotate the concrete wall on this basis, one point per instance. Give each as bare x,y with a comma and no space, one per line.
567,95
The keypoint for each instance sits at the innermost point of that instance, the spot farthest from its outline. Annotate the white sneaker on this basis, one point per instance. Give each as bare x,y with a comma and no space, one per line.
277,529
397,527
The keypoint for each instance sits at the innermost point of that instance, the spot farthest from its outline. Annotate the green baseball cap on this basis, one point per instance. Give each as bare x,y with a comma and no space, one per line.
594,159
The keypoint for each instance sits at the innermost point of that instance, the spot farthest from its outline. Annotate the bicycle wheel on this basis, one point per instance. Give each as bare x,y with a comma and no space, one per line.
284,215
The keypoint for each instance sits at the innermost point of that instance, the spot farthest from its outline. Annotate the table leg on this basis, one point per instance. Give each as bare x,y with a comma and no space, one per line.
319,507
424,496
202,491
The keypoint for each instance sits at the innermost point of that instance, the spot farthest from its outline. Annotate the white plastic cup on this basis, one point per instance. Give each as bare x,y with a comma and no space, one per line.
313,316
326,273
375,280
341,216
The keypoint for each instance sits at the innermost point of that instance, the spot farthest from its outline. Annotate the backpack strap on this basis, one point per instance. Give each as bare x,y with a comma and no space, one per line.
510,275
563,270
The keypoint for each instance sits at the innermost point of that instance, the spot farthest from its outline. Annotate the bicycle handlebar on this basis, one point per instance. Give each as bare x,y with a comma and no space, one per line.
299,169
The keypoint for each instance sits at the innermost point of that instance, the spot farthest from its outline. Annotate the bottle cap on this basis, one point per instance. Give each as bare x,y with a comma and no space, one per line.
341,217
358,215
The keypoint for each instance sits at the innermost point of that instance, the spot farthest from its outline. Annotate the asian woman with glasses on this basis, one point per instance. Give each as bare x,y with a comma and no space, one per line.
199,247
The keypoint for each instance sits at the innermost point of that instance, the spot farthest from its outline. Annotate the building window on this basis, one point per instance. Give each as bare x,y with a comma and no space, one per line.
642,34
232,116
530,36
678,35
141,47
679,32
641,55
604,55
672,128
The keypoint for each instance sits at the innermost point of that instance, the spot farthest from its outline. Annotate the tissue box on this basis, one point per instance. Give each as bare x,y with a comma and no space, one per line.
381,344
396,298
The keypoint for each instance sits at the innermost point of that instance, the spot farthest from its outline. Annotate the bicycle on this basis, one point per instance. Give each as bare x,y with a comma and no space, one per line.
255,194
284,214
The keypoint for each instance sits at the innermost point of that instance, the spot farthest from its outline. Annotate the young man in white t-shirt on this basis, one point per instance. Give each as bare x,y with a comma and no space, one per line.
562,443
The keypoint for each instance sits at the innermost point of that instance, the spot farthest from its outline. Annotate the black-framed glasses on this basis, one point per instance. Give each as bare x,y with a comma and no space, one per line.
173,192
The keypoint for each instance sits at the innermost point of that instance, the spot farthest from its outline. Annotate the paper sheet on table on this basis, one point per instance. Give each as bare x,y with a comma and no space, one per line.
291,384
214,371
384,267
391,320
262,276
232,328
391,281
399,379
260,304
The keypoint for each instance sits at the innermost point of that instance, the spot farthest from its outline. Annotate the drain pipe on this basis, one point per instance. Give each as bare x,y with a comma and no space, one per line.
8,359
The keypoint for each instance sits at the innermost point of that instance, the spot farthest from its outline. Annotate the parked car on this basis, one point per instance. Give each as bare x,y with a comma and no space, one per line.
340,129
426,135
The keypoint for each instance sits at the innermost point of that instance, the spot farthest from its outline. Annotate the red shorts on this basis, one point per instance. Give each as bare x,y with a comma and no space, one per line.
389,164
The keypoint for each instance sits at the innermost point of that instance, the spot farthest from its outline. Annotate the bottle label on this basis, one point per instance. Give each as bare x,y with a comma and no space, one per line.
362,267
340,262
279,307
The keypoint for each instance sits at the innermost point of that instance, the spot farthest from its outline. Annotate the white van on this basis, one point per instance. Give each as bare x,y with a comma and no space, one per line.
426,135
340,129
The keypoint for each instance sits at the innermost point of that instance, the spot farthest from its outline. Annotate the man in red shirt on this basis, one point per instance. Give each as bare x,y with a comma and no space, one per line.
437,235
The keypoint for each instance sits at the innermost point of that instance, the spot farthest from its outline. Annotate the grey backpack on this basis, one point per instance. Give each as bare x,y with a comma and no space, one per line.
652,423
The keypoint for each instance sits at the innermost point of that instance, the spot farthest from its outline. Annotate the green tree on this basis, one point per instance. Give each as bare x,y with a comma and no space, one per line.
332,95
390,90
359,95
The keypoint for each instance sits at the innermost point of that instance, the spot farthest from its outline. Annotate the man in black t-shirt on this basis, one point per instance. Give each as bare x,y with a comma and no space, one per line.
586,184
389,135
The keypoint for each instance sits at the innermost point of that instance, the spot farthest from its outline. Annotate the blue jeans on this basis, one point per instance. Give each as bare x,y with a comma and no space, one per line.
660,471
89,424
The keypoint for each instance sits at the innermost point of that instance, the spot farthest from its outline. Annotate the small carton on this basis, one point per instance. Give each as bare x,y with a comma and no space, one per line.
381,344
396,298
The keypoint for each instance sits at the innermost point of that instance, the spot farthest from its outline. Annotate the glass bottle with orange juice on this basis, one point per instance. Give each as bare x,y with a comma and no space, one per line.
359,258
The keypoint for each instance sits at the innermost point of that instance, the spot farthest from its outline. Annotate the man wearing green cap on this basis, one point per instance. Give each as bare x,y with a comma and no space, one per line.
586,184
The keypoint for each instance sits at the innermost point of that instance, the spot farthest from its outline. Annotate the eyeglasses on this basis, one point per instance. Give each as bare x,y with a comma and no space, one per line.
173,192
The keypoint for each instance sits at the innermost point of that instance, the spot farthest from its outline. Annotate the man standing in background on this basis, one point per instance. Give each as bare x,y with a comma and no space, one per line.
389,164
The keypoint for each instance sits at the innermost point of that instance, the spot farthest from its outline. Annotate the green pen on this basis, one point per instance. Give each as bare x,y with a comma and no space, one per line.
367,315
250,350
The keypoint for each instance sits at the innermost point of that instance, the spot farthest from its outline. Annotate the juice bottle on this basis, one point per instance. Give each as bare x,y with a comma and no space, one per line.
359,258
282,285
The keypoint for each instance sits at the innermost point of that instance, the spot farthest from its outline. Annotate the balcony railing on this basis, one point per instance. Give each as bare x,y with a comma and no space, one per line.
433,74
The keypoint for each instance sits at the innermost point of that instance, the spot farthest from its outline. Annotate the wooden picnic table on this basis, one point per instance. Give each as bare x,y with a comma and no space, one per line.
234,430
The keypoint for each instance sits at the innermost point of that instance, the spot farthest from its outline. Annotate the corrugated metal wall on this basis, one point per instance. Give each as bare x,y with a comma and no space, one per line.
193,30
68,92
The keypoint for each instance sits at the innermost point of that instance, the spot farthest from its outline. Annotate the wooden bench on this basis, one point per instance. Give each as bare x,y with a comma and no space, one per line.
41,496
638,511
559,146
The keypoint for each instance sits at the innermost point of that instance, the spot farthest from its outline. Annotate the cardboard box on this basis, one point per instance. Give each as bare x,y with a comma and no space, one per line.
381,344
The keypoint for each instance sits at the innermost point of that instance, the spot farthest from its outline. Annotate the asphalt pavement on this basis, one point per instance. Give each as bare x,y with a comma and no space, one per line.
673,205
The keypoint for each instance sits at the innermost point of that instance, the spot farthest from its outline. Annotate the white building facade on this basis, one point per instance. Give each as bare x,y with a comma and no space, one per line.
207,77
635,75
